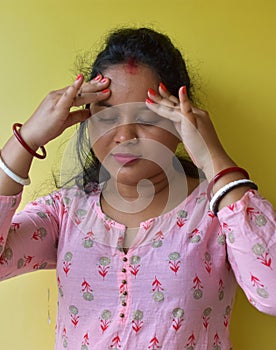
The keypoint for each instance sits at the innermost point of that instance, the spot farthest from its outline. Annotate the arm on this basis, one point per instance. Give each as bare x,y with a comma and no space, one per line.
28,239
195,129
249,226
49,121
248,221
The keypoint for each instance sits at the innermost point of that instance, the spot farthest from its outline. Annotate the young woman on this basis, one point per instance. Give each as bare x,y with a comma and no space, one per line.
148,246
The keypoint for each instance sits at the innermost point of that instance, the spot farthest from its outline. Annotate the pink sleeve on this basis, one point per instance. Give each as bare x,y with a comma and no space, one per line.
28,239
250,229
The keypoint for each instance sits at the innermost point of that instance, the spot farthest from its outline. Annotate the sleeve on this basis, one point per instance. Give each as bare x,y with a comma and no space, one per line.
250,229
28,239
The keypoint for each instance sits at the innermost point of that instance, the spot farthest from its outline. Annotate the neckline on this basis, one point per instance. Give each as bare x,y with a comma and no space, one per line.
202,186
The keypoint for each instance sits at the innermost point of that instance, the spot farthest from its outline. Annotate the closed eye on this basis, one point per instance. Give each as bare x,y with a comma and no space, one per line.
148,118
147,122
112,120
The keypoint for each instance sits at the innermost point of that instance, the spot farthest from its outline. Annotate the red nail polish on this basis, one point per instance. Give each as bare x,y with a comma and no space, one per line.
152,92
80,76
98,77
104,80
105,91
184,90
163,87
148,100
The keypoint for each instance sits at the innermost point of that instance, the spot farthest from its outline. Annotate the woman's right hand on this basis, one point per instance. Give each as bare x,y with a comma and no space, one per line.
54,114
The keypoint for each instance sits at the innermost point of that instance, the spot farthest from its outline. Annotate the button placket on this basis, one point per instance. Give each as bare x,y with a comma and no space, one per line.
123,287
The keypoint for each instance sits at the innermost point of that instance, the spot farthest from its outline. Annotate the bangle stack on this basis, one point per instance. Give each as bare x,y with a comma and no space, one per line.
217,197
13,176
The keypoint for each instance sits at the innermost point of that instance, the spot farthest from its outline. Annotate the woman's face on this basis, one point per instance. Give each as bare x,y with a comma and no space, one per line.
132,142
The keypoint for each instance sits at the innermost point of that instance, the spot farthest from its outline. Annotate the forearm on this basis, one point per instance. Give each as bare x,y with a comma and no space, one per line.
219,163
28,238
18,160
249,227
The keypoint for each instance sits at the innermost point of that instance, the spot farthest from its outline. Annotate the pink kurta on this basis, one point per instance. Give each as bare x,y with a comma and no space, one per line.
173,290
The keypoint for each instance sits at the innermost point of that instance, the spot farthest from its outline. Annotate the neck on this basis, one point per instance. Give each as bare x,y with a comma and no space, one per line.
131,191
158,192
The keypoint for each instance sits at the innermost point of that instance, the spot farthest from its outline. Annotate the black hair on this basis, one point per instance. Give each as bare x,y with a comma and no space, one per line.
138,46
146,46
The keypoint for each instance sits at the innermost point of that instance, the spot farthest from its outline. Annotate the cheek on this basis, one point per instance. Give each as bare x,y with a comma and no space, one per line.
101,150
166,139
171,140
97,148
100,145
174,141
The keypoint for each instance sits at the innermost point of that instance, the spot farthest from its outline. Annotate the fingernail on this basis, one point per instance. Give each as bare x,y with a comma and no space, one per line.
98,77
103,80
105,91
148,100
163,87
79,76
152,92
184,90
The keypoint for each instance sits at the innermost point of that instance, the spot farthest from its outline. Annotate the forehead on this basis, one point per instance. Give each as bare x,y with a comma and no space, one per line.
130,82
131,66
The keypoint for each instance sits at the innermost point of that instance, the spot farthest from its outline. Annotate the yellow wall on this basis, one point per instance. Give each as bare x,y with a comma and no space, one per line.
229,44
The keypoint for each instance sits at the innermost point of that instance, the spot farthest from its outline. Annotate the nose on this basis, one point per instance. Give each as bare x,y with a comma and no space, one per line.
124,133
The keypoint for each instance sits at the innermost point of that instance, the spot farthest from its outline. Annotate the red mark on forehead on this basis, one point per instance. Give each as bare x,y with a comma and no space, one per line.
132,66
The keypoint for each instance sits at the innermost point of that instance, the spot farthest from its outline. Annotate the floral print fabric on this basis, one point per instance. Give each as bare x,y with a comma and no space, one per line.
173,290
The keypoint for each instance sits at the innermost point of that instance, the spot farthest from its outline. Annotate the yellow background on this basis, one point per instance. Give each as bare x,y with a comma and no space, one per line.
230,47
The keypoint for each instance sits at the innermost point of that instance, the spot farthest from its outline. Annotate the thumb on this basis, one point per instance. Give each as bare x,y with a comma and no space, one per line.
77,116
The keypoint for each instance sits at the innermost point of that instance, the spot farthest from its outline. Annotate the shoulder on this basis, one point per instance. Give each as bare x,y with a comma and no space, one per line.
76,196
67,196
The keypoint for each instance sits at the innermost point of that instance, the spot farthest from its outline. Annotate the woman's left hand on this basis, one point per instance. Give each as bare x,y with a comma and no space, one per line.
194,127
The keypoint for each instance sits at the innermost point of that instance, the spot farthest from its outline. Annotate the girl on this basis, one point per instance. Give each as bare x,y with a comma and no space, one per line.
148,246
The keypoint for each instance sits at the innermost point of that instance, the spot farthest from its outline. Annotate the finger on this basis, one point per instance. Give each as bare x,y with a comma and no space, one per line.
175,115
77,116
92,91
185,105
157,98
94,85
66,99
171,113
87,98
164,92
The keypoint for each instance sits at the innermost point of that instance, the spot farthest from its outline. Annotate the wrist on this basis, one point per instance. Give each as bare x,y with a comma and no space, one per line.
214,165
225,176
228,186
27,137
25,145
230,193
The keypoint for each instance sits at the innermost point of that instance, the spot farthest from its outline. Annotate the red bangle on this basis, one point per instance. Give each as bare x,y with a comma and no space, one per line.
233,169
23,143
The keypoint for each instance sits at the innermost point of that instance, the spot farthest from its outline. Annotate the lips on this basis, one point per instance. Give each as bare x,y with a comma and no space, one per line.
125,158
